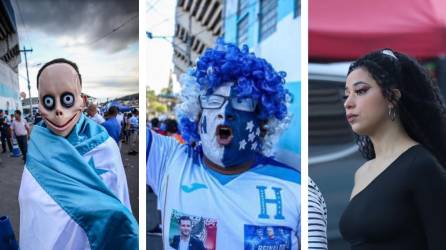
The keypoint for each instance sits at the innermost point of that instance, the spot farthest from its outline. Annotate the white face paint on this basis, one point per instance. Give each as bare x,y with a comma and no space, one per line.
228,133
209,121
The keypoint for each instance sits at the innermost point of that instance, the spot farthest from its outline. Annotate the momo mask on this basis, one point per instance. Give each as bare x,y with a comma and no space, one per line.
60,101
229,128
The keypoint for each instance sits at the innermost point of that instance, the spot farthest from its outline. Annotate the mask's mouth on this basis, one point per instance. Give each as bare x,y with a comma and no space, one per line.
64,126
224,134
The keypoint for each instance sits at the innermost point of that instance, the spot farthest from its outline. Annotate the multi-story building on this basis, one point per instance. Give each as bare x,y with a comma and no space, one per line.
9,59
271,29
198,23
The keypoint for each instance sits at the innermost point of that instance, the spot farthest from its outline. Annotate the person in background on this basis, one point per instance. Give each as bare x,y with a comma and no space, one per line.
172,130
155,124
120,117
37,118
8,120
134,132
127,127
93,114
21,131
112,125
5,133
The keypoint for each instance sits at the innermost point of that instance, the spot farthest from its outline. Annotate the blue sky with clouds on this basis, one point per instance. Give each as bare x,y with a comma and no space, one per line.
160,20
82,32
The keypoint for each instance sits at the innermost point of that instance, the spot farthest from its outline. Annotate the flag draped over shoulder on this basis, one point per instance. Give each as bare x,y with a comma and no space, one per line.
74,183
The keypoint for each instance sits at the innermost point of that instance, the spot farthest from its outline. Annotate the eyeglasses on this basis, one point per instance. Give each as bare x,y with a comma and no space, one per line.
217,101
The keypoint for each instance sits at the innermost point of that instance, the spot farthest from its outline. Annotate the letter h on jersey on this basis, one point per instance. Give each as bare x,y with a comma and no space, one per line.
277,201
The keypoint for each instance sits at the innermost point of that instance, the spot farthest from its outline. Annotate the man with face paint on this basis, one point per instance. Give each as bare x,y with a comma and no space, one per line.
234,107
73,193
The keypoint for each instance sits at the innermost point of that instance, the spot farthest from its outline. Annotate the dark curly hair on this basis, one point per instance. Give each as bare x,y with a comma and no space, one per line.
421,108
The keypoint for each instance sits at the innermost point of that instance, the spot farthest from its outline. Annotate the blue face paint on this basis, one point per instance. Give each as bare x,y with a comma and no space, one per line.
203,125
244,132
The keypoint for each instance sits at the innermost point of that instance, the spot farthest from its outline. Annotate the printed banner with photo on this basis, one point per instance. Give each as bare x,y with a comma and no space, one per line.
192,232
267,237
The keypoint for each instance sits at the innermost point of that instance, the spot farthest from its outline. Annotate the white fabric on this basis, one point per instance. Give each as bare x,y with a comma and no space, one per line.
233,205
46,226
317,218
214,117
120,118
98,118
134,121
19,127
184,244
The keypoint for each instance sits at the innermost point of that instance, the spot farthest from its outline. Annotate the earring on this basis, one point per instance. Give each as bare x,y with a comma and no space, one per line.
392,113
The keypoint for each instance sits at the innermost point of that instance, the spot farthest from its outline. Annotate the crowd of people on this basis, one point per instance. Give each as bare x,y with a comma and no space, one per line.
167,127
14,130
122,127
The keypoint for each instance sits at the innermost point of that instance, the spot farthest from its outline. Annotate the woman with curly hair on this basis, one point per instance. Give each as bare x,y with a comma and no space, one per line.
398,114
234,106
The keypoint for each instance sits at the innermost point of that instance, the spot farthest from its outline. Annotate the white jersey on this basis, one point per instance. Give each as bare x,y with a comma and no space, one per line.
258,209
44,225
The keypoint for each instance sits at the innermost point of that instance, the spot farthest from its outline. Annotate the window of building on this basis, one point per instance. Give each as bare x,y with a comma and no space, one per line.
242,7
268,18
242,30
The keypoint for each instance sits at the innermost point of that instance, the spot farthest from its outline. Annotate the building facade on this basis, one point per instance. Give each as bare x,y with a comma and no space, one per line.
198,23
271,29
9,59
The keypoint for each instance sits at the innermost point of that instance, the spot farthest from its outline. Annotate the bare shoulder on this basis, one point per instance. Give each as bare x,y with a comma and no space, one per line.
361,170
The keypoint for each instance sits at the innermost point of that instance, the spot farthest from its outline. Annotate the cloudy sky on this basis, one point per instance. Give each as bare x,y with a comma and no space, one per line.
101,36
160,20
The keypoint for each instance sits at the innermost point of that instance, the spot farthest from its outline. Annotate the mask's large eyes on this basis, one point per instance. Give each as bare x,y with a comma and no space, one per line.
67,100
48,102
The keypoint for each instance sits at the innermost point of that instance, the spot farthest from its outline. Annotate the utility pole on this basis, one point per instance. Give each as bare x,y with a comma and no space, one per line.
24,50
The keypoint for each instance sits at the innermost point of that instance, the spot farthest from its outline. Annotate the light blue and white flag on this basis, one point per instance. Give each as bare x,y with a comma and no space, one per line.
73,193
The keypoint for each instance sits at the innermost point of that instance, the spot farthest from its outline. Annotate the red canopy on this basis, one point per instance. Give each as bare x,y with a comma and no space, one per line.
346,29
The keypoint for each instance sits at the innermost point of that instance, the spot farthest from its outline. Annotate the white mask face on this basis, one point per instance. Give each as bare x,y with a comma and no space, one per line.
60,101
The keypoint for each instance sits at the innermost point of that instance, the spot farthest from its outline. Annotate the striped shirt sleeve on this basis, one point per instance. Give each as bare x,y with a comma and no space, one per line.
317,218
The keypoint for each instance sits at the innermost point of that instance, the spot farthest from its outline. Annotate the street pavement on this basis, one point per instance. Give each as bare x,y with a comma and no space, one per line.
10,175
335,181
154,241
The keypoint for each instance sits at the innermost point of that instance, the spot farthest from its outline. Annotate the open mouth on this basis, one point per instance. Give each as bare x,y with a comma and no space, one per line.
224,134
64,126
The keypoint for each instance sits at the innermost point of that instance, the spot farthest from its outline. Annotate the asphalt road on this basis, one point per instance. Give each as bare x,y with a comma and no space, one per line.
154,241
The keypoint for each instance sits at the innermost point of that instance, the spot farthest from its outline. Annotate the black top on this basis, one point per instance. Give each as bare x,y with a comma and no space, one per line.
402,208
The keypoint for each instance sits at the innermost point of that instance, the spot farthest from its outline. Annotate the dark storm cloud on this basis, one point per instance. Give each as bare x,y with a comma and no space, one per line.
90,18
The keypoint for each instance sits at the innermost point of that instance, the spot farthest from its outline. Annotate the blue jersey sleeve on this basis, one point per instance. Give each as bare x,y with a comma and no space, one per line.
160,151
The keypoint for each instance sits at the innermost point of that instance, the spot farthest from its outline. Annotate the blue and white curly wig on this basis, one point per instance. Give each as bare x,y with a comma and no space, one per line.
252,76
